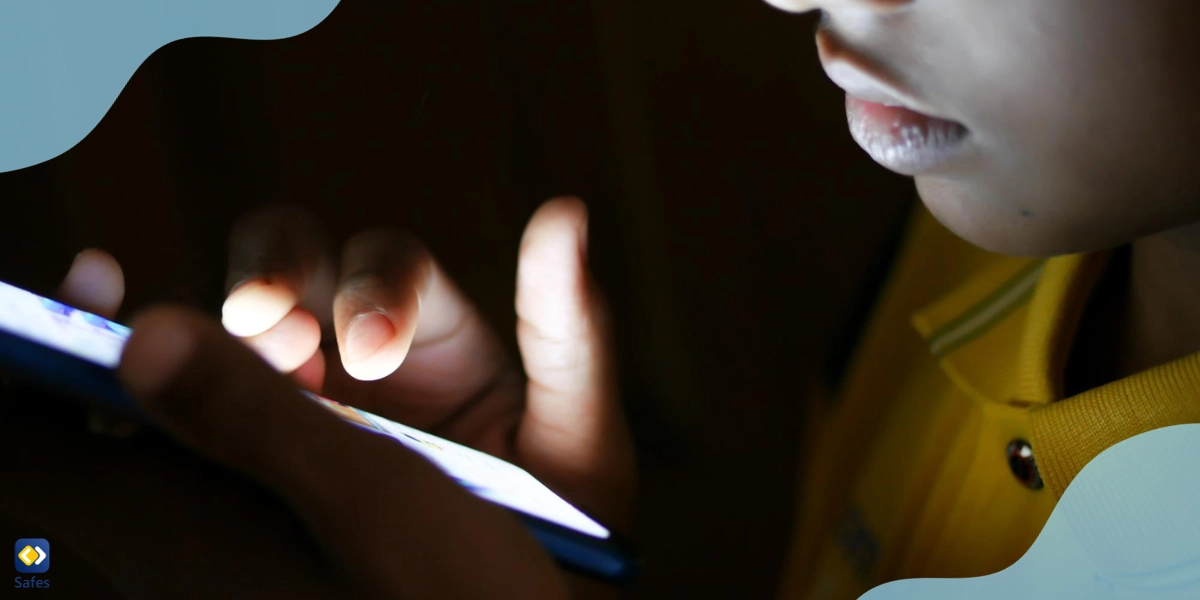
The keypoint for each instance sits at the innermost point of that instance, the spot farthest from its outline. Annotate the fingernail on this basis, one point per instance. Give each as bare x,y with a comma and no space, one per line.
154,356
255,306
366,334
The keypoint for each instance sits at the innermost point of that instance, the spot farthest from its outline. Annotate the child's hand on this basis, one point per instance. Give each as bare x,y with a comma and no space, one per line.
402,341
95,283
386,522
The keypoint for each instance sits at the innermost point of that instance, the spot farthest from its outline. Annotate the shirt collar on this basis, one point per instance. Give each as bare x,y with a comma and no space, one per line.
1005,335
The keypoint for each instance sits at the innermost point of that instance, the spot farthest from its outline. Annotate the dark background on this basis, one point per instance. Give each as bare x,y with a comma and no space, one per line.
734,223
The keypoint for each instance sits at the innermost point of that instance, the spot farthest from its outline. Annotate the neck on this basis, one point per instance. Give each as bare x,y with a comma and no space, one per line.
1163,312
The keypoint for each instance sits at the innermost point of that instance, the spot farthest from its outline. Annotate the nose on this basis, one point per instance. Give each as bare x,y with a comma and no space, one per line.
800,6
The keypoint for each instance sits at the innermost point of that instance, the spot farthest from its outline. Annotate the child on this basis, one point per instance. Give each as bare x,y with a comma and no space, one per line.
1056,129
1052,129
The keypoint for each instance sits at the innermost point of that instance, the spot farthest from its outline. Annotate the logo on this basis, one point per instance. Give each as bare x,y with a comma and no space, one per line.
31,555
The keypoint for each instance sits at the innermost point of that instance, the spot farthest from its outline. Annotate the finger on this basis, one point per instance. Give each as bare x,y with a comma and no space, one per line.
396,305
276,262
388,518
95,283
290,343
375,311
573,431
311,375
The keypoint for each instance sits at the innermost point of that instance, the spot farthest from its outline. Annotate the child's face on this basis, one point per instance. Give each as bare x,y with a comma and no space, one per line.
1065,125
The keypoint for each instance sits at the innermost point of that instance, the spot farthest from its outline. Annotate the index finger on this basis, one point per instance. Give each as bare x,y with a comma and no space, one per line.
434,361
277,260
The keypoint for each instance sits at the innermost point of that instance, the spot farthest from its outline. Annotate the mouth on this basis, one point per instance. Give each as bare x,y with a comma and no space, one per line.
897,130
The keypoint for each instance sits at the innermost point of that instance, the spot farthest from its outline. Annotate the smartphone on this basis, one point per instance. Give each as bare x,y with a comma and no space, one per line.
75,353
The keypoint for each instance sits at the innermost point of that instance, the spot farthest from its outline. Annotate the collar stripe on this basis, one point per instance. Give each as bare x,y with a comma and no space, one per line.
987,313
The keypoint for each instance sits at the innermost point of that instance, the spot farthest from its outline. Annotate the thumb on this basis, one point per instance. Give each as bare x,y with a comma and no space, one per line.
573,432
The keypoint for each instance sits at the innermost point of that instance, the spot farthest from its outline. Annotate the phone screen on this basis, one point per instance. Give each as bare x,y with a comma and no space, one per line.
100,341
483,474
66,329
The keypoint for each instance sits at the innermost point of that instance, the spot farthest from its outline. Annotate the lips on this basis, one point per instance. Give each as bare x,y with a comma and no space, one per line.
903,140
896,129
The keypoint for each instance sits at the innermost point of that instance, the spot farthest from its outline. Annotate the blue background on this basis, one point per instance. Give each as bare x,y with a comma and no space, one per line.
1127,527
63,62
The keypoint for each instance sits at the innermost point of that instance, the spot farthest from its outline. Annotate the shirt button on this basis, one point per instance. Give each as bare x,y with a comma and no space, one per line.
1024,468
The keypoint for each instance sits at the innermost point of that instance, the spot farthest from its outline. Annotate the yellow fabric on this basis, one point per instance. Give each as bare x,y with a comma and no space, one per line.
1113,413
905,472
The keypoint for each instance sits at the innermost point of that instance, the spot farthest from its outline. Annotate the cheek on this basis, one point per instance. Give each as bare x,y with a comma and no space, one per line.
1077,113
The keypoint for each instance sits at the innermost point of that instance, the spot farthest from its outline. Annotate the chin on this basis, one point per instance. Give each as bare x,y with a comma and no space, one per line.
990,222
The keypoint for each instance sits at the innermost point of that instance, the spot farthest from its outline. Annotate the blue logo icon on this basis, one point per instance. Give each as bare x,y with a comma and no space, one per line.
32,555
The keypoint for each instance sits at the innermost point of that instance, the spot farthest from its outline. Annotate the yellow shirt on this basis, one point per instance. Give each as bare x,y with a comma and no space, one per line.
907,471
